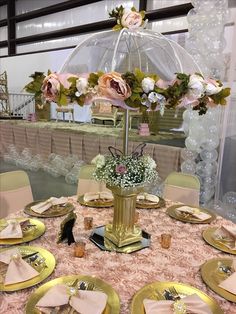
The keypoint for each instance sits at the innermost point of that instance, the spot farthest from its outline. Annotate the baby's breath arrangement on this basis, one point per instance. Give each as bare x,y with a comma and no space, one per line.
125,171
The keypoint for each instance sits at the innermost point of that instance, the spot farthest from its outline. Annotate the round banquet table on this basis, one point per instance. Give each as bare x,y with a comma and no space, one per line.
127,273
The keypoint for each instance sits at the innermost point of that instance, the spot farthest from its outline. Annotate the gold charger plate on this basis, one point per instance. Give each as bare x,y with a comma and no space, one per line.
150,205
95,203
53,211
44,272
113,302
30,234
171,211
213,276
154,291
208,236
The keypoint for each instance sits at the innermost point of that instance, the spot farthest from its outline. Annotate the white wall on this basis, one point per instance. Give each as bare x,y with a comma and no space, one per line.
19,68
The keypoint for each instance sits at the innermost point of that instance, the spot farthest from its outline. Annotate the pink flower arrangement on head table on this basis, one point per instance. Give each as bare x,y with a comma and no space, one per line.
132,90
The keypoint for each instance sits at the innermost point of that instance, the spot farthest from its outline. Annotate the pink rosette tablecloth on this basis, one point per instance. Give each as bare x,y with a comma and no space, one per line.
127,273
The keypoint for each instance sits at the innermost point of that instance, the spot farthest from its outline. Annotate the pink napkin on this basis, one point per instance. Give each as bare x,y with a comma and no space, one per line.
83,301
193,302
18,270
92,196
229,284
228,233
43,206
12,230
195,212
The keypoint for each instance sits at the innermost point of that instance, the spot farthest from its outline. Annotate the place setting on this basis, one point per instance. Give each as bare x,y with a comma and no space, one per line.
52,207
172,297
24,266
97,199
74,294
191,214
149,201
20,230
220,275
222,238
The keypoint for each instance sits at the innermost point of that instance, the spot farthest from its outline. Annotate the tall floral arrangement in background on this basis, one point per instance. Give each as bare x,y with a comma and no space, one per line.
132,90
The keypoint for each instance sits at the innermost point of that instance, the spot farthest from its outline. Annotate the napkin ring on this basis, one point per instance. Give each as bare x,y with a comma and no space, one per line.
179,307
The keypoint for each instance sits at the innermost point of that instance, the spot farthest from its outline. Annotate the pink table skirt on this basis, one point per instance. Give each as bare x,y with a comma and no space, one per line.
127,273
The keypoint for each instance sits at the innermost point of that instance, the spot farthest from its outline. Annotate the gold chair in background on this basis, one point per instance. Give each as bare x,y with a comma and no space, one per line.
15,192
183,188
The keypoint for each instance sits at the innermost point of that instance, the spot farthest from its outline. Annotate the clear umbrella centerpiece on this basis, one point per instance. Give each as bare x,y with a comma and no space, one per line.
131,68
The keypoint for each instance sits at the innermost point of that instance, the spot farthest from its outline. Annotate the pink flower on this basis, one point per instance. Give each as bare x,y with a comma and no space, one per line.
188,100
121,169
210,102
165,84
113,86
52,84
131,19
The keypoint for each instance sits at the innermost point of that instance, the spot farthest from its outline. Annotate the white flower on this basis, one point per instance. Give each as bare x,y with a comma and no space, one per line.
196,85
98,160
148,84
150,162
81,85
213,88
155,97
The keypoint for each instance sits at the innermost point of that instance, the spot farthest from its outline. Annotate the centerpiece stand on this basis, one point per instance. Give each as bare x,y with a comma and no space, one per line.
122,235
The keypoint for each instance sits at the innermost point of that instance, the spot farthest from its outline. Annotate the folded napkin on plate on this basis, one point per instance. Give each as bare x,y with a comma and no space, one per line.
43,206
83,301
227,232
18,270
11,230
195,212
229,284
193,303
92,196
148,197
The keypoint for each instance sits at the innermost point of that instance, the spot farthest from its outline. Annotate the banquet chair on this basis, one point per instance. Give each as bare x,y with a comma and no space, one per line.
182,187
15,192
87,183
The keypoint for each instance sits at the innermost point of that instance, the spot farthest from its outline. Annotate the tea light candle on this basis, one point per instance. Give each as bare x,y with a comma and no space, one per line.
165,240
79,249
88,223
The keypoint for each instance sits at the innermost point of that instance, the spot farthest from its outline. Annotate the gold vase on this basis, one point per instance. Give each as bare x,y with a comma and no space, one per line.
123,230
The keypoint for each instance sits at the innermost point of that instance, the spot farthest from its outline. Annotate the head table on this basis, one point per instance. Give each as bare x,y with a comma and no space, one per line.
127,273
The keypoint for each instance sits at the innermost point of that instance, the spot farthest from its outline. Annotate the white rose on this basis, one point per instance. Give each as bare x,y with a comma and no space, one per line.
212,89
150,162
81,86
131,19
196,85
98,160
148,84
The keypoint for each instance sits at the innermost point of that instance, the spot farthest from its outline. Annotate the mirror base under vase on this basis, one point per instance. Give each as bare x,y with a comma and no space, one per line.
99,239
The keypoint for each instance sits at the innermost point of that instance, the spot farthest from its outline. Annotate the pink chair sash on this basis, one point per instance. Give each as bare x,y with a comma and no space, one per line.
11,201
180,194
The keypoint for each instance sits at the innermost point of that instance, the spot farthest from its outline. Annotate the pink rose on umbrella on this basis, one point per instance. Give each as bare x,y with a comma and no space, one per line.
52,85
131,19
121,169
113,86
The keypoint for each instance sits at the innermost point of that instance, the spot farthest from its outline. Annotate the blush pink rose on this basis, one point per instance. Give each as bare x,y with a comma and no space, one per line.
113,86
121,169
52,82
131,19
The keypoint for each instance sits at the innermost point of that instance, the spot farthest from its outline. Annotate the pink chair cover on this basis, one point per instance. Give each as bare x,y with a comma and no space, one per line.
11,201
180,194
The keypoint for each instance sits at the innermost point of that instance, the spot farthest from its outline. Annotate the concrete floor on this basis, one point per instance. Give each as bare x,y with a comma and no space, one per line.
43,184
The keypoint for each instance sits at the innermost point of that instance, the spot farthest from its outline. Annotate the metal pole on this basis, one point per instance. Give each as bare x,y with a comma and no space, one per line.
126,132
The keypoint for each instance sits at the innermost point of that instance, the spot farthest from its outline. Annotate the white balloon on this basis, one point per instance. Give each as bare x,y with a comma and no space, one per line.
192,144
188,166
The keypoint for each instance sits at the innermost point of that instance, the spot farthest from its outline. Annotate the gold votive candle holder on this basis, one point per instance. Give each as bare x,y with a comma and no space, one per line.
165,240
79,248
88,223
